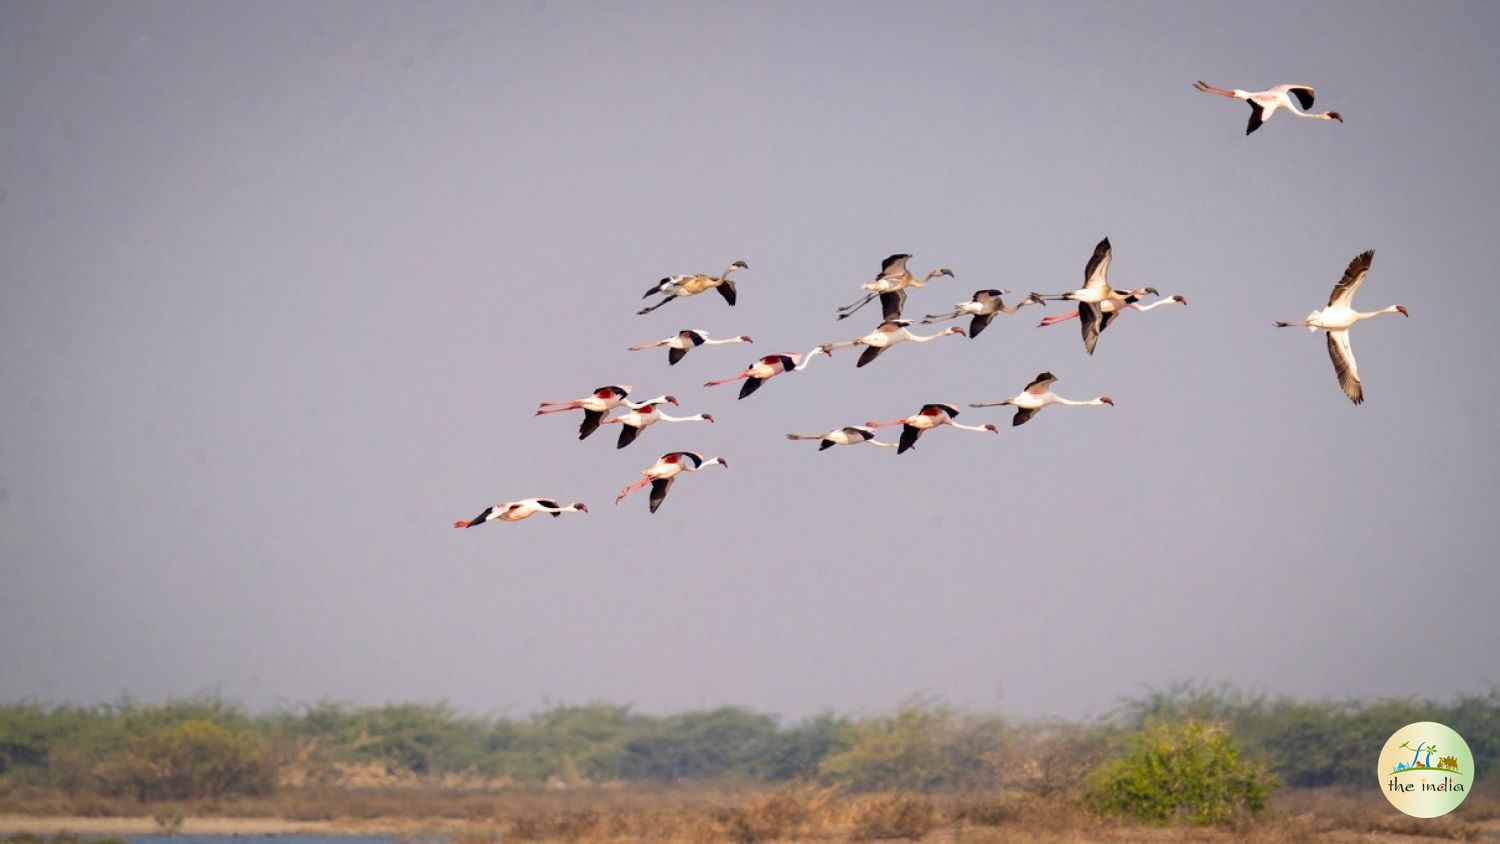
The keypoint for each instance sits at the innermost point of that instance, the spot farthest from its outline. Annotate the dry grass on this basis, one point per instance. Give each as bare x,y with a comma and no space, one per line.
750,815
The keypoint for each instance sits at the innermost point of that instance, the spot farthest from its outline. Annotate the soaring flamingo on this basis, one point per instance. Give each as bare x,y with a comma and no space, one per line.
983,307
767,368
1337,318
1094,293
1109,307
679,344
644,415
930,416
515,511
1037,395
891,286
594,406
886,335
681,286
1263,104
666,469
847,435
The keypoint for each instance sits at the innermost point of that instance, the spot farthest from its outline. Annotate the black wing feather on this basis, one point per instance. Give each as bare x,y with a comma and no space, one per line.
628,433
590,424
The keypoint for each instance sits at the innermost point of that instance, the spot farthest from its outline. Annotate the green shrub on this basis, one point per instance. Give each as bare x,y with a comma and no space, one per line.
1180,772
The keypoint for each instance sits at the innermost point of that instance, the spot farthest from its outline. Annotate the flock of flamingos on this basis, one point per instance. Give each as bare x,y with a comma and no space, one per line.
1098,305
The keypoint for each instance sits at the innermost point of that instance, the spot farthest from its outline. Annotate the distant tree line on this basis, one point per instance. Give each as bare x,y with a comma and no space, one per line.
210,748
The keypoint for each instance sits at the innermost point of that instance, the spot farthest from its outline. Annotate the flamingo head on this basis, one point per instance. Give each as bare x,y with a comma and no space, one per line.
740,265
672,400
942,271
1333,115
1401,309
744,338
719,460
992,429
956,329
1107,400
1152,291
580,507
827,349
706,417
1181,300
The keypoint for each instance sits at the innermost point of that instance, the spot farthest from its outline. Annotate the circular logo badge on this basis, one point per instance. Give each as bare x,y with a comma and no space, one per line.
1426,769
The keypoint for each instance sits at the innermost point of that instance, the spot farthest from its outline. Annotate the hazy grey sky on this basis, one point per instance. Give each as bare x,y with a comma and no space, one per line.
280,286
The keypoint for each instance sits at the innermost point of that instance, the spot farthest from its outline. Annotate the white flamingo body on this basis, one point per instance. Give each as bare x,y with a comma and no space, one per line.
680,343
890,285
602,401
682,286
983,307
887,334
1038,395
765,369
641,416
930,416
1339,317
1264,104
665,470
847,435
1110,306
1095,292
515,511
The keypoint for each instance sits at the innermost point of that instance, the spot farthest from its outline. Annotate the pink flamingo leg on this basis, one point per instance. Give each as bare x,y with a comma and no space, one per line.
726,380
632,488
1056,318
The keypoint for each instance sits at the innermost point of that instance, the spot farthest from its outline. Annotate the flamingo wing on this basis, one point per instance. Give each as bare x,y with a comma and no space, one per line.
977,324
590,424
891,304
1258,116
870,353
659,489
1023,414
1096,272
1354,276
1090,317
726,289
1303,93
909,435
1344,365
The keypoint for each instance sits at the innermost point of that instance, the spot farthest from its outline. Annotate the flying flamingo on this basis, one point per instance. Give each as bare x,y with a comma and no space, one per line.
1337,318
643,415
515,511
767,368
679,344
891,286
594,407
1263,104
666,469
886,335
1094,293
1108,307
930,416
983,307
847,435
1037,395
681,286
